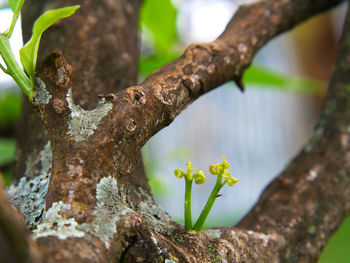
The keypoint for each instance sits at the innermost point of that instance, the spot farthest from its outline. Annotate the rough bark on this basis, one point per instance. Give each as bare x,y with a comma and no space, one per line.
94,199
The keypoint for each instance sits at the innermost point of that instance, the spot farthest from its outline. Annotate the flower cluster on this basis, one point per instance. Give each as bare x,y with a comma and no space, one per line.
220,169
223,177
199,176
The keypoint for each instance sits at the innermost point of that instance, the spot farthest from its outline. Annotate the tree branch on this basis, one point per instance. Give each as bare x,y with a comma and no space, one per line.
308,202
97,211
155,102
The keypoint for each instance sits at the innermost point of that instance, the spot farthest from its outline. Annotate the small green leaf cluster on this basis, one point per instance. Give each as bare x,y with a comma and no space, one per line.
28,53
223,177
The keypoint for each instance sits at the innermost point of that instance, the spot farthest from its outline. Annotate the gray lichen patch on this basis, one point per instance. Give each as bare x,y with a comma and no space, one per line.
155,216
55,225
108,210
83,123
30,193
213,233
46,158
41,95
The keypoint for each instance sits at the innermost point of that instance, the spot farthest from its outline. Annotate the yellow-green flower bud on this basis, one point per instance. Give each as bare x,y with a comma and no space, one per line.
199,177
179,173
189,167
226,174
231,181
212,169
225,164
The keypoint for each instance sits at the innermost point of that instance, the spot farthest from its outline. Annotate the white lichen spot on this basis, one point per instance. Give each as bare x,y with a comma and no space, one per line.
313,173
344,140
108,210
30,193
227,59
61,76
213,233
242,48
46,158
155,242
41,95
169,261
261,236
254,41
83,123
195,80
264,238
55,225
211,69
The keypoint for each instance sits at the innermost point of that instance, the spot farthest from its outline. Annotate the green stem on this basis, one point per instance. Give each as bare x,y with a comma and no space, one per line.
188,216
13,23
203,216
3,68
13,69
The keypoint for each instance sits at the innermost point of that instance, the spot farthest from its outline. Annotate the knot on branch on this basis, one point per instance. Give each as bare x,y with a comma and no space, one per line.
137,94
52,81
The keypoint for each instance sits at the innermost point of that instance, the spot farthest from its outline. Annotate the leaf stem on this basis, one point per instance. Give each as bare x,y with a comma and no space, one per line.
188,216
3,68
13,23
204,214
13,69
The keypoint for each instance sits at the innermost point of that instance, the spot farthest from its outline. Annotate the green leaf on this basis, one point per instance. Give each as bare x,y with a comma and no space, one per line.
10,107
16,5
267,78
28,53
337,248
150,63
7,150
159,18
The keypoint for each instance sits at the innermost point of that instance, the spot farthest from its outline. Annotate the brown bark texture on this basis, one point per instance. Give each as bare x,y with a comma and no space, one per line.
81,186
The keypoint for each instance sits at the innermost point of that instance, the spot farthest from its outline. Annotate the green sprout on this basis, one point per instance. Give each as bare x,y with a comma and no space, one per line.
199,178
223,177
29,52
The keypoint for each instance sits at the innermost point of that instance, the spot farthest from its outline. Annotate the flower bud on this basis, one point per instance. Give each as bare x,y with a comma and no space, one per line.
199,177
231,181
179,173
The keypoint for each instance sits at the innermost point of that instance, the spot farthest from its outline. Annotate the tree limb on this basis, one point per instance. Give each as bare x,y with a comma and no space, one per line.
308,202
110,215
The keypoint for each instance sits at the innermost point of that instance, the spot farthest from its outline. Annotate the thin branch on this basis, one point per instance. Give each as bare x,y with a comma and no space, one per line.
203,67
312,197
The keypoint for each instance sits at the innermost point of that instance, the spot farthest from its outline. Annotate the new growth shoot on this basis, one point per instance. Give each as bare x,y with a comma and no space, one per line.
223,177
28,53
199,178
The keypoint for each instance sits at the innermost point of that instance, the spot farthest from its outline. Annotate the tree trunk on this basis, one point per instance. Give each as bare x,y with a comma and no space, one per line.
81,183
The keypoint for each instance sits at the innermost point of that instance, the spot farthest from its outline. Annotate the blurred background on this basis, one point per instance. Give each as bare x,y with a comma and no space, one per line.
259,131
